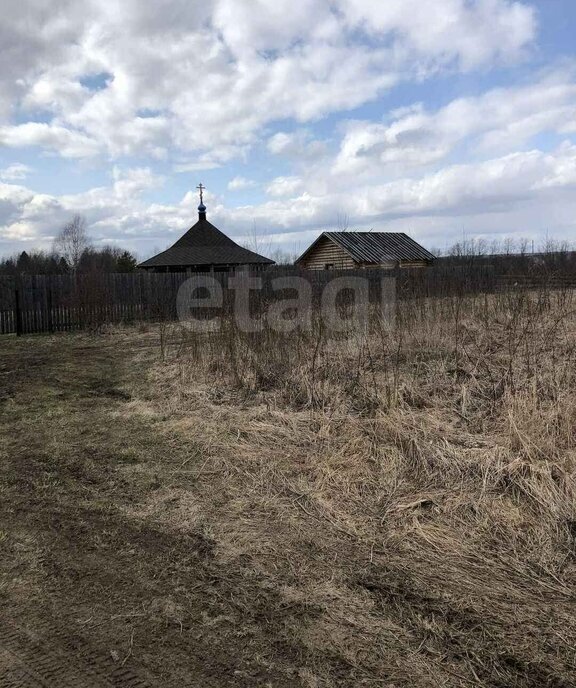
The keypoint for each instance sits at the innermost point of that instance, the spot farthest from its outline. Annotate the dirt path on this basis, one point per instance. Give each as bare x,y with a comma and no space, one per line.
49,658
47,385
92,591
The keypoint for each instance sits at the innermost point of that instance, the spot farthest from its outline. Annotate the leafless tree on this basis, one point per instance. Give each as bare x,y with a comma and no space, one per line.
282,257
342,222
257,242
72,241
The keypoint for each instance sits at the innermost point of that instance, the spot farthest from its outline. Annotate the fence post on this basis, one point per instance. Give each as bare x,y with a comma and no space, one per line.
17,312
49,303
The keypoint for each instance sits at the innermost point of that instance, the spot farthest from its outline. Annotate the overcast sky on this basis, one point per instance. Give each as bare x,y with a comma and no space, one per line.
444,118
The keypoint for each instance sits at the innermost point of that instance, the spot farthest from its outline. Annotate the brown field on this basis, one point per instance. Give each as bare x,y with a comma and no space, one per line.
392,508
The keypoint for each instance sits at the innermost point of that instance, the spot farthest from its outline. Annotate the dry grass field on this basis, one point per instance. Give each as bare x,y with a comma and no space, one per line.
388,508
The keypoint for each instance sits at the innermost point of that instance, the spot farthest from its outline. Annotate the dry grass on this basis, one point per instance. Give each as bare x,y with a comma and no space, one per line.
388,508
413,489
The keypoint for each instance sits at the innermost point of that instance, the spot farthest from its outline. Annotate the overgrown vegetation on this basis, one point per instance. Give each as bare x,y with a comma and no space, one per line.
387,507
413,485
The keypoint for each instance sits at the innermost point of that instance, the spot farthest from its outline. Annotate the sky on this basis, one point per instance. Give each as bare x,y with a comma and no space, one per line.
446,120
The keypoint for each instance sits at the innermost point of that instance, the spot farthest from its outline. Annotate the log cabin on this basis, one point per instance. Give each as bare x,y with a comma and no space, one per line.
354,250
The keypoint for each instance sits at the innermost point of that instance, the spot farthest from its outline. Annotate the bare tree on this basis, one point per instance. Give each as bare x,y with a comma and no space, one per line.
282,257
72,241
257,242
342,222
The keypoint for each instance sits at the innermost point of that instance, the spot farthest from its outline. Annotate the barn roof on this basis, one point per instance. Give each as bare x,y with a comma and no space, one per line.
205,244
375,247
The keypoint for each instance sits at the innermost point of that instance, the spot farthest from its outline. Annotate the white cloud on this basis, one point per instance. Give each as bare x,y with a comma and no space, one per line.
212,160
131,182
456,194
197,166
284,186
27,215
15,172
67,142
499,120
297,145
519,193
474,188
215,73
472,33
562,173
239,183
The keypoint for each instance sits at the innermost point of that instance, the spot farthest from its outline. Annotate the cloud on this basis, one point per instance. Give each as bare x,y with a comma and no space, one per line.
297,145
470,33
503,185
134,181
24,215
240,183
30,216
15,172
212,75
214,159
195,166
473,188
66,142
284,186
499,120
515,193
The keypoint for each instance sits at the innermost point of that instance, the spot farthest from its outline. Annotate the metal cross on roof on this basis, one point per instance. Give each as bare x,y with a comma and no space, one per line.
201,188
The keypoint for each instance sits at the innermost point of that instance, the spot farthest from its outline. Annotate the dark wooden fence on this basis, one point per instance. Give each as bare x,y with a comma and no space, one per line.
56,303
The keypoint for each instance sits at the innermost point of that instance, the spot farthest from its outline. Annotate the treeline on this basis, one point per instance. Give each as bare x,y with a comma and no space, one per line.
72,251
520,257
106,259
